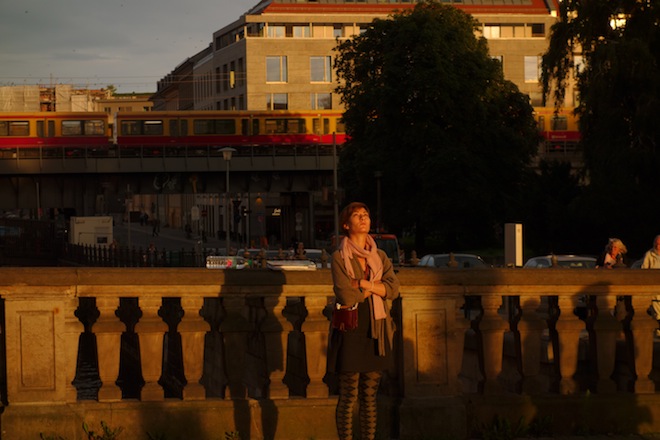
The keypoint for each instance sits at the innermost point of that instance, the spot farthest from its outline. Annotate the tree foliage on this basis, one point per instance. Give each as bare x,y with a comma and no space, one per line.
619,87
430,109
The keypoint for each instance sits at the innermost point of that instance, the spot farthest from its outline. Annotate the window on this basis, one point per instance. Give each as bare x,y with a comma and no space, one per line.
532,68
491,31
321,69
214,126
301,31
14,128
282,126
276,69
277,101
337,31
240,72
276,31
94,127
559,123
538,30
82,128
321,101
142,127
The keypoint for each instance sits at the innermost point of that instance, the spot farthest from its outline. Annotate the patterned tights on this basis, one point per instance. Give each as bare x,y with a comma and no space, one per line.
354,386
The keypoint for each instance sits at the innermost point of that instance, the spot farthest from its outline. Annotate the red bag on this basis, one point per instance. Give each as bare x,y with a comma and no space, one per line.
345,318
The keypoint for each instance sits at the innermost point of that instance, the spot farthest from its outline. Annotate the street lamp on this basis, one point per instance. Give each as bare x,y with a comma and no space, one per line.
226,155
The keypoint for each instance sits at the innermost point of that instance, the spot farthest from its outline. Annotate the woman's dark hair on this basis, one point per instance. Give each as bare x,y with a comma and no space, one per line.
347,212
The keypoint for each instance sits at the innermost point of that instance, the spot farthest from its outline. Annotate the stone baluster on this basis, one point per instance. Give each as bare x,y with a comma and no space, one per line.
531,327
276,330
235,329
606,327
315,329
568,328
72,331
456,346
151,329
192,329
492,328
643,328
108,329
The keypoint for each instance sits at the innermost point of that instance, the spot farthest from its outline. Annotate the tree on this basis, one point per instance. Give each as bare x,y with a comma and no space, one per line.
619,90
429,108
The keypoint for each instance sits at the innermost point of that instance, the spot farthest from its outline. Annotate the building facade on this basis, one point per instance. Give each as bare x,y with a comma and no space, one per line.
279,54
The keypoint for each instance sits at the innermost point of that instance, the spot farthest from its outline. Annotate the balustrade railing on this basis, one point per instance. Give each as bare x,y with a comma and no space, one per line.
540,339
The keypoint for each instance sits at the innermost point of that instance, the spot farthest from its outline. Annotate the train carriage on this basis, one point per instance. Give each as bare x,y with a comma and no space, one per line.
72,131
560,130
227,128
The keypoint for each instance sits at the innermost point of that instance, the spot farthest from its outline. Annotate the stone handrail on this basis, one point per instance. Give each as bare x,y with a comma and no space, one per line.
260,336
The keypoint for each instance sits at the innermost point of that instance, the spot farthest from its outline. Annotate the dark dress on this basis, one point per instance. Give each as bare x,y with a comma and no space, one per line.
355,350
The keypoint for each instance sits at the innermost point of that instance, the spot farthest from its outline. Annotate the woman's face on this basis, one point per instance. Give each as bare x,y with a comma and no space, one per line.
359,222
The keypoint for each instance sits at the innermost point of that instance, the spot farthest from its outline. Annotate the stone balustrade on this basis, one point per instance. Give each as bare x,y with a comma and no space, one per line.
195,353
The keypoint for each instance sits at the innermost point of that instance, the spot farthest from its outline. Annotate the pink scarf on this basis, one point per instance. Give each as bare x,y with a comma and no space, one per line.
350,250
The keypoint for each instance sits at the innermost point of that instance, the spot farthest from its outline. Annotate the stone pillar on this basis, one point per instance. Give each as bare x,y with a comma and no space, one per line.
316,328
643,328
151,329
568,328
235,330
492,328
607,328
531,328
192,329
108,329
72,330
276,329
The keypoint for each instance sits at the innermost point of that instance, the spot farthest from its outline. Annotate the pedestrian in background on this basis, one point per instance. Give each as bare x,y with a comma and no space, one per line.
613,255
652,261
362,275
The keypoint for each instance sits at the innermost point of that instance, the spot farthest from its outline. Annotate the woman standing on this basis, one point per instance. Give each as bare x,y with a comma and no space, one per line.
362,275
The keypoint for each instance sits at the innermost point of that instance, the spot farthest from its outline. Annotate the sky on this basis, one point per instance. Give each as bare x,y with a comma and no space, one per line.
130,44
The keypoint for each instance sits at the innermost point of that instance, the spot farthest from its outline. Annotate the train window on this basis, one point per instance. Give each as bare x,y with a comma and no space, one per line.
282,126
316,126
72,128
40,128
92,127
130,128
184,127
559,123
14,128
255,127
245,127
153,127
174,127
214,126
340,126
541,123
326,125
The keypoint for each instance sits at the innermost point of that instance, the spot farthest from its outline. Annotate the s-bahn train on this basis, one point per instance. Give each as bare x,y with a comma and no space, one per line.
80,131
169,128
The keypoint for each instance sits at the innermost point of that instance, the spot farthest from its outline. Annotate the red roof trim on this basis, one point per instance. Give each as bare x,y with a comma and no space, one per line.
536,7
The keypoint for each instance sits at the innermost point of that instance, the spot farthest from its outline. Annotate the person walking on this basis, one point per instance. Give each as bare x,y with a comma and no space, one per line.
652,261
363,276
612,257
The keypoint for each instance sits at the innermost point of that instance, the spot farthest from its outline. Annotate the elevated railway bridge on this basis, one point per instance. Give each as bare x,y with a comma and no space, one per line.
276,193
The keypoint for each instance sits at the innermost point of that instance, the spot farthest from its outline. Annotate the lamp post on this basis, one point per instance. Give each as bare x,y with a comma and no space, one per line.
226,155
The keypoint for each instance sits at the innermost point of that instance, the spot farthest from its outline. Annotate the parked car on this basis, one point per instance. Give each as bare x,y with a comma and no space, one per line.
389,244
443,261
563,261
